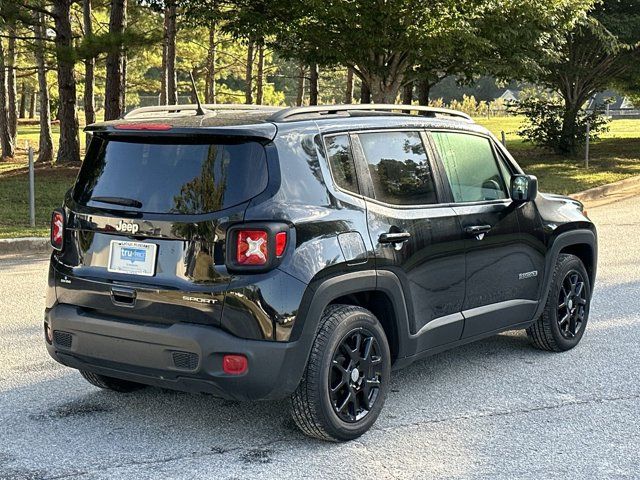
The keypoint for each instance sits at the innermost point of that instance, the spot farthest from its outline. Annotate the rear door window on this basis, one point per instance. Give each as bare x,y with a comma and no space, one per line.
183,177
470,166
399,168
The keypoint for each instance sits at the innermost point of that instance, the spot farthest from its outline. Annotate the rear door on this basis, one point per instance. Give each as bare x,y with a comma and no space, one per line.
413,236
147,221
498,261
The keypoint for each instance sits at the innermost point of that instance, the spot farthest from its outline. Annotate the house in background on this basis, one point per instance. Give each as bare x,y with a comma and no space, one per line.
614,104
509,96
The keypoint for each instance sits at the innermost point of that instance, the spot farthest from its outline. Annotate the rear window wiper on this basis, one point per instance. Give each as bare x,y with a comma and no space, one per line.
127,202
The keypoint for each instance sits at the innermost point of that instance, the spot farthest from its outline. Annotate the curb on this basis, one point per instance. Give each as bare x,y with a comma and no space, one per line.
623,188
10,246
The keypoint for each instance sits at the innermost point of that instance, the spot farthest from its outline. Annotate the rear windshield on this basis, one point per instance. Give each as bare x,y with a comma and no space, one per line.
180,178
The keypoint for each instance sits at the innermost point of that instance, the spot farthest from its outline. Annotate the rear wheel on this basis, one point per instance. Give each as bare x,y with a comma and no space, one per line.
110,383
564,319
345,383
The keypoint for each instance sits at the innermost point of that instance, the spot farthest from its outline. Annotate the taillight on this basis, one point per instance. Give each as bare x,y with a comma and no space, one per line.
57,230
234,364
257,246
252,247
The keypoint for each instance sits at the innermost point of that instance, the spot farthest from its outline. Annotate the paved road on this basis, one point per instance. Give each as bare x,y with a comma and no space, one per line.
495,409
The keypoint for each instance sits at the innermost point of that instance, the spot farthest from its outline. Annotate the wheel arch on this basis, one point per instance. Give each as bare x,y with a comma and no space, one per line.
377,291
584,244
586,253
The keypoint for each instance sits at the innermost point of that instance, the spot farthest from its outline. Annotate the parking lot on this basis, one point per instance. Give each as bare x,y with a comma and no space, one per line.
494,409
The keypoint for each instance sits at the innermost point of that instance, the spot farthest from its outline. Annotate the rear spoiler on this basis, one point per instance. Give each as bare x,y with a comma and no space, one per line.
262,132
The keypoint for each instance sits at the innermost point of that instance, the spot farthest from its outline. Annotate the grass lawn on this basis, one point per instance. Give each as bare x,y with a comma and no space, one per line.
51,185
614,157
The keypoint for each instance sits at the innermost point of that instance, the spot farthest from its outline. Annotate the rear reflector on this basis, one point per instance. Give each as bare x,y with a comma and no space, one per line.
281,243
252,247
234,364
143,126
57,230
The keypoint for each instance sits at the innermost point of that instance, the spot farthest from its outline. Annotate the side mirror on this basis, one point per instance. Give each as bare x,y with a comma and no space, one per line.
524,188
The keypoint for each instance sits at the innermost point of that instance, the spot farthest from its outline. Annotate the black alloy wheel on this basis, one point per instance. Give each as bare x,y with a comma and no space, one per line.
563,320
355,376
572,304
347,376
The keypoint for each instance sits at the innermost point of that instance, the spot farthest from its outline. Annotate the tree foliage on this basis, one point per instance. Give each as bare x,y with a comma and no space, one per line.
389,43
601,51
545,117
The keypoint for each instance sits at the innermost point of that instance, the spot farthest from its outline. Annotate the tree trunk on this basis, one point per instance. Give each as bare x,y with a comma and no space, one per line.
12,94
313,84
210,83
163,77
22,108
248,75
348,94
260,79
407,94
169,67
6,141
302,71
423,92
32,103
23,100
113,107
384,89
45,148
365,93
569,141
89,66
69,147
123,86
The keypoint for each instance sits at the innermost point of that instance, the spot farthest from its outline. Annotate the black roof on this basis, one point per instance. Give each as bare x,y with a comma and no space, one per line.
260,121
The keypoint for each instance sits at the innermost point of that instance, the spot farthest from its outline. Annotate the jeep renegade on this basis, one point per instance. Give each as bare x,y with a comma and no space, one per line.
257,253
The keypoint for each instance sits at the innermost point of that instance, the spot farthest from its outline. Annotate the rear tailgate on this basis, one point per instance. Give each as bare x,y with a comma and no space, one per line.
146,226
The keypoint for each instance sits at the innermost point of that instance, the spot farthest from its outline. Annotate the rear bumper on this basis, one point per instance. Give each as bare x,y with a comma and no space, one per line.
181,356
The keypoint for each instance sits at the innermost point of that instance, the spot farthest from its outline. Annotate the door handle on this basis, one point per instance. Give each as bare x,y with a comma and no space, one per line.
478,231
396,237
123,297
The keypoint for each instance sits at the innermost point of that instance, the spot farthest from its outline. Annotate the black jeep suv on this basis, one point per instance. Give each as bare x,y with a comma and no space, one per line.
257,253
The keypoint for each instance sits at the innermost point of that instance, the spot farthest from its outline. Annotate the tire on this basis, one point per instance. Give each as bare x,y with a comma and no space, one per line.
110,383
330,365
553,330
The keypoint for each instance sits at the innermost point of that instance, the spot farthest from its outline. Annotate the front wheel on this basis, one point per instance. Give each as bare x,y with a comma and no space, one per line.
345,383
564,318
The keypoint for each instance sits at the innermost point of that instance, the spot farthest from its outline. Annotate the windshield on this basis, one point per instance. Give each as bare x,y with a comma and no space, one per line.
177,178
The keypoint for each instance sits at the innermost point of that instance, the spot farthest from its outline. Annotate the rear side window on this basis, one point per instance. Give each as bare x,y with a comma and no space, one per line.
471,167
176,178
341,160
399,168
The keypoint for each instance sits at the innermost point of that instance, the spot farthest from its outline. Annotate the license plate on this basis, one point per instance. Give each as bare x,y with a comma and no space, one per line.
134,258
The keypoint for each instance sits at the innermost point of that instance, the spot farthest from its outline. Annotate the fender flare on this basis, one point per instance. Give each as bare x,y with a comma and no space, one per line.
566,239
319,295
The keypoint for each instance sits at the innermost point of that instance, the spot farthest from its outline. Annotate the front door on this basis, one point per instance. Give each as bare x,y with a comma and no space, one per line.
498,261
413,236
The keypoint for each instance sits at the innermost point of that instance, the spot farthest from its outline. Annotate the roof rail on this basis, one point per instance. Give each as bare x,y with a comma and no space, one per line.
289,113
179,110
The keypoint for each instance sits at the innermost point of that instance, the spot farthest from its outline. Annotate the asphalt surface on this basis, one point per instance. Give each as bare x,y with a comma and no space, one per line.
494,409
